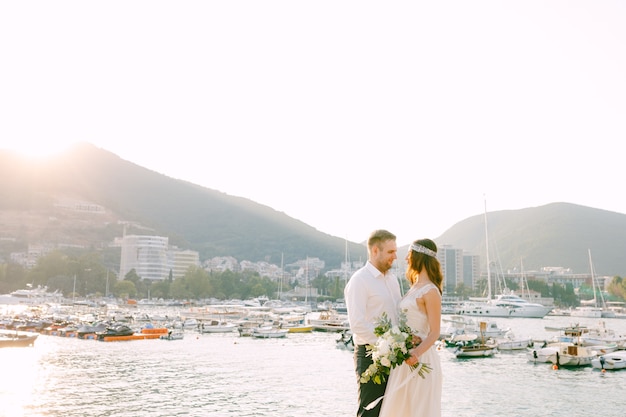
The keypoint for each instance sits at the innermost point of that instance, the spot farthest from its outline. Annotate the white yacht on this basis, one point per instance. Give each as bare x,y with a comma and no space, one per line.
31,296
504,305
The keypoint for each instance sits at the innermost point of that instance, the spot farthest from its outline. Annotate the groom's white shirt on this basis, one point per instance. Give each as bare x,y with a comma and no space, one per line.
368,294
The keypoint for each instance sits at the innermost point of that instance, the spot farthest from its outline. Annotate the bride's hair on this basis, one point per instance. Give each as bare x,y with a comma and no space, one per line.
422,254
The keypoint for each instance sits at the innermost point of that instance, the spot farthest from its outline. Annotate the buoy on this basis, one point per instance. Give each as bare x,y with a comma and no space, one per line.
603,370
555,367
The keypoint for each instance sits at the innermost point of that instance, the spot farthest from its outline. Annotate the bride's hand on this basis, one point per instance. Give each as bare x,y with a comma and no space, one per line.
412,360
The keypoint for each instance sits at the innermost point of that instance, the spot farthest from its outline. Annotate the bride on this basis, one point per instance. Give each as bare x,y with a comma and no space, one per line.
408,394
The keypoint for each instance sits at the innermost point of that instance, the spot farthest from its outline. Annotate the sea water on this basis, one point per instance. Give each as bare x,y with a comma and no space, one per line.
299,375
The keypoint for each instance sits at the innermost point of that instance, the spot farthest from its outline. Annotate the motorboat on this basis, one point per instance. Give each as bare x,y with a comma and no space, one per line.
17,338
31,296
267,332
85,330
345,341
511,342
471,346
544,354
504,305
115,330
462,329
475,350
173,335
217,326
613,360
567,350
573,355
329,321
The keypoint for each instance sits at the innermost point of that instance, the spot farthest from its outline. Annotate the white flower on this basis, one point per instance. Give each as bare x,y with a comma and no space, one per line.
391,350
385,361
383,348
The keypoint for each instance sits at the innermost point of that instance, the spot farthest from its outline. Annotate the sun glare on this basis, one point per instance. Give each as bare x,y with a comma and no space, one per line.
36,149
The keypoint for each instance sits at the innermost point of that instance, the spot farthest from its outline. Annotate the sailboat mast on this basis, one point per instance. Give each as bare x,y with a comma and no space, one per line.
488,261
306,281
346,265
282,275
593,283
593,279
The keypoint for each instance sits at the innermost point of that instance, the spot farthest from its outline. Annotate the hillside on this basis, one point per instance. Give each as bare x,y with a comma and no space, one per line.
557,234
36,203
211,222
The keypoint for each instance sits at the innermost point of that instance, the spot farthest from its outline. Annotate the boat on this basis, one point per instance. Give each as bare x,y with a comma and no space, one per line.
506,304
470,346
613,360
88,331
465,325
544,354
299,328
267,332
587,311
592,308
173,335
295,323
246,326
31,296
17,339
217,326
330,321
603,349
570,354
569,349
601,335
345,341
618,308
510,342
114,331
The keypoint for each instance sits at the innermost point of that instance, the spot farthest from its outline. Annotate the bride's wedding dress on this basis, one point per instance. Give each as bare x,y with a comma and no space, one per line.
407,393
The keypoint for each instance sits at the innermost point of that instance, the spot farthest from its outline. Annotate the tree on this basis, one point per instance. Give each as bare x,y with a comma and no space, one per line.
463,291
12,277
124,289
161,289
617,287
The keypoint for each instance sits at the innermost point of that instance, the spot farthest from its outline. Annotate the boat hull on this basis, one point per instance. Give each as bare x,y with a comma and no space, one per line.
475,352
614,360
264,333
17,339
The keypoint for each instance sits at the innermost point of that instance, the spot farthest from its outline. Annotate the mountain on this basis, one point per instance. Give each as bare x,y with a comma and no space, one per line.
38,205
35,197
557,235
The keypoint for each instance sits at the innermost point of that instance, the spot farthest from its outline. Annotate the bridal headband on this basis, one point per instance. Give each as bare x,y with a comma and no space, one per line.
423,249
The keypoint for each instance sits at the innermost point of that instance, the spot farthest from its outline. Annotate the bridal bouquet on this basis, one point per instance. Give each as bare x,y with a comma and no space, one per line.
391,350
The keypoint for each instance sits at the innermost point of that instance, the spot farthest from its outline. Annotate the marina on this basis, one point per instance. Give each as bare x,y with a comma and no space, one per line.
225,374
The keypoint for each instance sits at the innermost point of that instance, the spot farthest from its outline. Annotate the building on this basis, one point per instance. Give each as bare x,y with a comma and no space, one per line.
147,255
471,270
153,259
182,260
451,260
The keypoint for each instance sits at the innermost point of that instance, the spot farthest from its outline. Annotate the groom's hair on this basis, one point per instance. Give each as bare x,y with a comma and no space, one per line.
379,236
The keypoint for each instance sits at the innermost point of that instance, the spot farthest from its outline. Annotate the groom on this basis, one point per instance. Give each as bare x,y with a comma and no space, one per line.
371,291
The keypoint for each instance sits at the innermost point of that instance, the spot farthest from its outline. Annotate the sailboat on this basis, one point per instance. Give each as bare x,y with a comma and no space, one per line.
506,304
472,347
591,308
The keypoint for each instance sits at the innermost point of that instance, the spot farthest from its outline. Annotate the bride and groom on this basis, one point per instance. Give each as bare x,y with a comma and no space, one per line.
374,290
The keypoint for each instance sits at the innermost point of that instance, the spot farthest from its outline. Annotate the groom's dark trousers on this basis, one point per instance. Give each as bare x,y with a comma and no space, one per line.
369,391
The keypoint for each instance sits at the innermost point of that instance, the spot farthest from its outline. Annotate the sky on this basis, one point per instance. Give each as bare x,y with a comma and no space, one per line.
347,115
